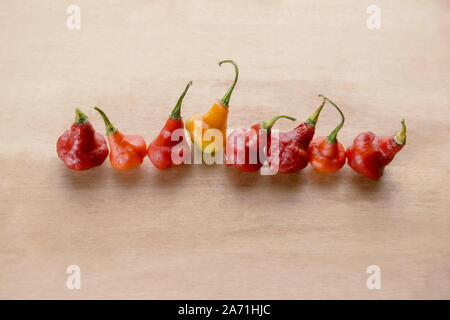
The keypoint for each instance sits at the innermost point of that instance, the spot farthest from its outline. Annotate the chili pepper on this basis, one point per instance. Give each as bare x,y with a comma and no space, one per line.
326,153
244,147
81,148
161,149
288,150
127,151
369,154
215,118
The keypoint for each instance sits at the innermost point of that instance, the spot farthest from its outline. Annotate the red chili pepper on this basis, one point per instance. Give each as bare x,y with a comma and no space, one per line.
244,147
81,148
127,151
288,150
161,149
326,153
369,154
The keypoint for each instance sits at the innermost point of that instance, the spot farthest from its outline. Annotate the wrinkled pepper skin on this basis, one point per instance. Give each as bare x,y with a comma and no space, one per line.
81,148
161,149
255,139
127,151
327,154
288,150
291,154
215,118
369,154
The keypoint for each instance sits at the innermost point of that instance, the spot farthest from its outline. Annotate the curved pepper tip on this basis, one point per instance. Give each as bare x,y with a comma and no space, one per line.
226,98
400,138
332,137
110,129
267,125
176,112
313,119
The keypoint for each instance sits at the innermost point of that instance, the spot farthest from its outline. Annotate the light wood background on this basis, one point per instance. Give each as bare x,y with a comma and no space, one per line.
210,231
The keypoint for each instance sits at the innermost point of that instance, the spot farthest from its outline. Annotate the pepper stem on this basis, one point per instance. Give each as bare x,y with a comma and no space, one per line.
226,98
176,115
267,125
332,137
109,127
80,117
313,119
400,138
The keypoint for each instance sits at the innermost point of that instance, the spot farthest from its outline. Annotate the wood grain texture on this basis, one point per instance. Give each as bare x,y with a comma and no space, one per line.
208,231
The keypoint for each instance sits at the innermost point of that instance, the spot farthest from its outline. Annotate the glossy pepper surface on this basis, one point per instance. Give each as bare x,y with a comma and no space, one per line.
127,151
160,150
245,147
369,154
215,118
81,148
288,150
327,154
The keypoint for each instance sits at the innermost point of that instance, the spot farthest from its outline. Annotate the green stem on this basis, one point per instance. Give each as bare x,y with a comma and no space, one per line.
332,137
109,127
80,117
267,125
313,119
176,112
226,98
400,138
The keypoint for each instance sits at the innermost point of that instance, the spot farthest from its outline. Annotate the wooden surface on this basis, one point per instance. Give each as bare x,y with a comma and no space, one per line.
208,231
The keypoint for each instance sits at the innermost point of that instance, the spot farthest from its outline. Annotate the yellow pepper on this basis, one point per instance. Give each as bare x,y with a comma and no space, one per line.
215,118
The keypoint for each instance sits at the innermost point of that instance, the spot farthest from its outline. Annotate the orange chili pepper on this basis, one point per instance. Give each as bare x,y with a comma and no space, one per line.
327,154
215,118
127,151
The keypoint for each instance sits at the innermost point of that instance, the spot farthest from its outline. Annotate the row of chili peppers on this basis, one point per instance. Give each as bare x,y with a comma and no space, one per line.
81,148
